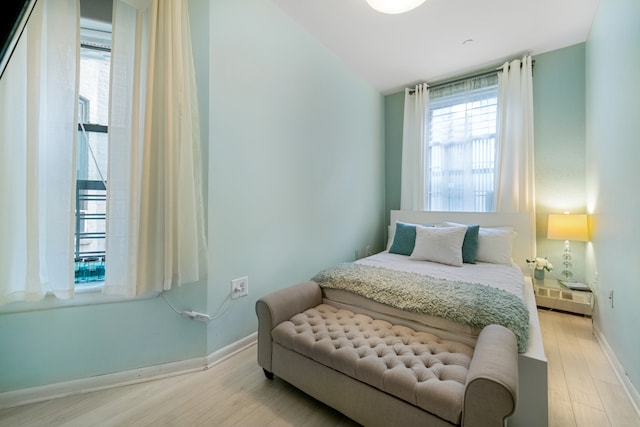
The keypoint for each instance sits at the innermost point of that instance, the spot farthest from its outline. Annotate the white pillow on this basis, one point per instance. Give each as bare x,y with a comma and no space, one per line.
495,245
439,244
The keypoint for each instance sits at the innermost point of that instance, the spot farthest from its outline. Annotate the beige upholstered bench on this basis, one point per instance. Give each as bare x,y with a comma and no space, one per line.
378,373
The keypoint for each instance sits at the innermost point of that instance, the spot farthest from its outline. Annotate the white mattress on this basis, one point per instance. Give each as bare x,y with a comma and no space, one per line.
501,276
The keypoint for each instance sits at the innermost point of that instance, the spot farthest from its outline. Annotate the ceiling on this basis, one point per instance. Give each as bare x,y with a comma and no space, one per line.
427,44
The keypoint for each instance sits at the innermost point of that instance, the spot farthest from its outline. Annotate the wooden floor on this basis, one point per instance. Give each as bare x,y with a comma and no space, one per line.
583,388
583,392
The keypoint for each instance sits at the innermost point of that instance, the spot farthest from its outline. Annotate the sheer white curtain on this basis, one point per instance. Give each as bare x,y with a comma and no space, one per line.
38,127
415,148
155,219
515,177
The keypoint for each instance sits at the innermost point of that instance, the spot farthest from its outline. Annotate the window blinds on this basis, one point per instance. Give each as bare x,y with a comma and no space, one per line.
462,145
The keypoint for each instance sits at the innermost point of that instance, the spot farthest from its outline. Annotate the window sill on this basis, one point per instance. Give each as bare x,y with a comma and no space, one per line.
86,288
87,295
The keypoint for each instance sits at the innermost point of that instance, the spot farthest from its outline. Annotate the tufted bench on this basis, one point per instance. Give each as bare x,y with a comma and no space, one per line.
416,367
379,373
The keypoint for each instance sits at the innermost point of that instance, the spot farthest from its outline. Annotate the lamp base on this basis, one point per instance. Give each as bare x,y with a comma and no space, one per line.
567,274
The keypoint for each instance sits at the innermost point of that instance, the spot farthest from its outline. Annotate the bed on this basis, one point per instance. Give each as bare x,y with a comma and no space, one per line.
503,243
532,395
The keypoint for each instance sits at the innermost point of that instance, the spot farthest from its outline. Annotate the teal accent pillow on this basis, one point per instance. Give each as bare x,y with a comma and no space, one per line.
470,244
404,239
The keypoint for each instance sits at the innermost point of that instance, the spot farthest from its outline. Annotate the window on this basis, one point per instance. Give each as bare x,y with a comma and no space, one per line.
154,98
462,145
91,178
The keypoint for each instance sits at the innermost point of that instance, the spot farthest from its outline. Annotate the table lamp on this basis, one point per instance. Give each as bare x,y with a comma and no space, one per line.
568,227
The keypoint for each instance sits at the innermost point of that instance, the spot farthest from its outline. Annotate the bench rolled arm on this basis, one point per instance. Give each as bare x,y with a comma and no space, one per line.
491,391
278,306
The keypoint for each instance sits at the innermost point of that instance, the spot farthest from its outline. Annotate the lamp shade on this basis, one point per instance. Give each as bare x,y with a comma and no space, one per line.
568,227
394,6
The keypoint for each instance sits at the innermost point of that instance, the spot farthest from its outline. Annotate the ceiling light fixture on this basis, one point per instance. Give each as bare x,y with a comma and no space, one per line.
394,6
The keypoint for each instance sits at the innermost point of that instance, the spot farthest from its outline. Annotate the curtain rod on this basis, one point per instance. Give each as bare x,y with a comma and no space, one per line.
461,79
472,76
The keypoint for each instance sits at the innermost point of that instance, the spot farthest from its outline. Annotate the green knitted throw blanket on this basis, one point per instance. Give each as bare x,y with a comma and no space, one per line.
468,303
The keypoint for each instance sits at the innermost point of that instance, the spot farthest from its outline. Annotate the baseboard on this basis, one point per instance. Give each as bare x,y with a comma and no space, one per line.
85,385
228,351
631,391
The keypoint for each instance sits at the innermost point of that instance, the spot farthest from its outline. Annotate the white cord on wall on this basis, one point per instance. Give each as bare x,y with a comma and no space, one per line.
195,315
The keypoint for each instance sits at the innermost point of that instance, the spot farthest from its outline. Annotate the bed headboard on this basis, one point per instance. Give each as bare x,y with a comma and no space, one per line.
523,244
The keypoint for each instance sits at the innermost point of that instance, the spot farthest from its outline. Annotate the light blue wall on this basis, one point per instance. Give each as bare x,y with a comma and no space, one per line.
613,150
54,345
293,148
296,161
394,116
560,148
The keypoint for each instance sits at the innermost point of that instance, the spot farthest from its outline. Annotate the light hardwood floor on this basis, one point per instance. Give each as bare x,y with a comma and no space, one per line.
583,392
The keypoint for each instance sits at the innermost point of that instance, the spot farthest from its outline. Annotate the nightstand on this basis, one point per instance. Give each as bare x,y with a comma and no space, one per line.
552,294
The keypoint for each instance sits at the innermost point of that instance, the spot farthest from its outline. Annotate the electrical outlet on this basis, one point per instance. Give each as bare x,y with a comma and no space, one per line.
239,287
367,250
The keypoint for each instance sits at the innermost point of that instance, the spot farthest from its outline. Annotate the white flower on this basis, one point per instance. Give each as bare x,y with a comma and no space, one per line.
540,263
